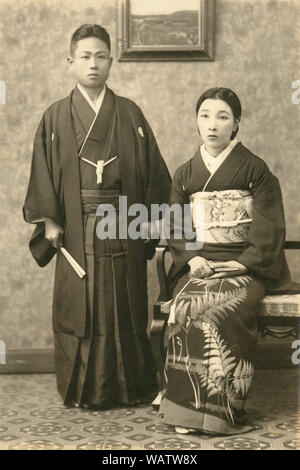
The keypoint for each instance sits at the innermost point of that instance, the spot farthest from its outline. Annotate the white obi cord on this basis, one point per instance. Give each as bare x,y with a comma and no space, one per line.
222,216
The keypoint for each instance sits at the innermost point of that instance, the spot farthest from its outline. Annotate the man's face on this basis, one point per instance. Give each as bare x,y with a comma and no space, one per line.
91,62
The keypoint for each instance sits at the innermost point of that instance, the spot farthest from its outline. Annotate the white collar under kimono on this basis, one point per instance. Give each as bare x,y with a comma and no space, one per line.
95,106
213,163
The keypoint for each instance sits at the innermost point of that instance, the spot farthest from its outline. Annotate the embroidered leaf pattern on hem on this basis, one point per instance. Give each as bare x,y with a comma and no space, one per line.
221,377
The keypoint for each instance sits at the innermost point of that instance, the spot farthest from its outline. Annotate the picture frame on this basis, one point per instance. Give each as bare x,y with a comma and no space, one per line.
165,30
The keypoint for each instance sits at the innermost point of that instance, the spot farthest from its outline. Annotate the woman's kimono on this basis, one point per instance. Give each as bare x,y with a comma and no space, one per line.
212,325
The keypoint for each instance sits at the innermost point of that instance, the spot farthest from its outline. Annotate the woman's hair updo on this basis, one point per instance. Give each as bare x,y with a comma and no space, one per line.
226,95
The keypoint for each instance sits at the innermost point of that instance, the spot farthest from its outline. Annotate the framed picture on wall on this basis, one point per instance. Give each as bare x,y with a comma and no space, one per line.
165,30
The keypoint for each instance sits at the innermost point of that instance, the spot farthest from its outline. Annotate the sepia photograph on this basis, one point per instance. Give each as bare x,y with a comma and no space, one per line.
150,242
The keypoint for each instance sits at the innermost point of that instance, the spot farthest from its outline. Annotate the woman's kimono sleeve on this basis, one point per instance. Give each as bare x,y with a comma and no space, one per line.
179,225
41,200
264,255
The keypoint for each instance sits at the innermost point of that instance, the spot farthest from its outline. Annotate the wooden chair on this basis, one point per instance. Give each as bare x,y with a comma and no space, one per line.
278,316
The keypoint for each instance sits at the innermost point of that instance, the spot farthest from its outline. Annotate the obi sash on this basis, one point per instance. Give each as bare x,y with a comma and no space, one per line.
222,216
92,198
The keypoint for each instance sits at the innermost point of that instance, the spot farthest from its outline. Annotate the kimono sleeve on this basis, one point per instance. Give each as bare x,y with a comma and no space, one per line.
41,200
264,255
158,179
179,223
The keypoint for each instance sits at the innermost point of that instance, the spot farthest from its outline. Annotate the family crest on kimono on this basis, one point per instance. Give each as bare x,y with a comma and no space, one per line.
212,334
91,147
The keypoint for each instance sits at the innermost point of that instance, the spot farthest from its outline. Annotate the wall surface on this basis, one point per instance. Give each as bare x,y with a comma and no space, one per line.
257,54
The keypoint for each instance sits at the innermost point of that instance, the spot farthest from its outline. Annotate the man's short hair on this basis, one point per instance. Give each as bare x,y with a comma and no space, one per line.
89,31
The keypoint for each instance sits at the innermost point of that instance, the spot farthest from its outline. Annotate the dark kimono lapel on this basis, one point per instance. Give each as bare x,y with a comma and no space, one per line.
198,174
104,118
83,116
70,180
227,171
83,110
130,169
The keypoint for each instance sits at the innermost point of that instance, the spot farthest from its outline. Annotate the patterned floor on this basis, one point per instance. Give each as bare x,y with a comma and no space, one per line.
32,417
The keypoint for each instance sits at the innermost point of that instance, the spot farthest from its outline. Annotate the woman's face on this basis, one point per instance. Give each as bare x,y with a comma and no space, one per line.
215,123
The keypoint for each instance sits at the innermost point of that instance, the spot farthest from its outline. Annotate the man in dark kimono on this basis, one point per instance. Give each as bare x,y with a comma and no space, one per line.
90,148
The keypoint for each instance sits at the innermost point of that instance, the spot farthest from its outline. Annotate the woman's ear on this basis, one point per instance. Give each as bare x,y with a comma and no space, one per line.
236,123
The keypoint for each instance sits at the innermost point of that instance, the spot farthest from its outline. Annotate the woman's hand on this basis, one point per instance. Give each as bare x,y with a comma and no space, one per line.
53,233
200,267
227,269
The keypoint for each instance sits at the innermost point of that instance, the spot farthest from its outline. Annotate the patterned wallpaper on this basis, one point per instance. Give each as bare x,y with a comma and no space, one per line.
257,53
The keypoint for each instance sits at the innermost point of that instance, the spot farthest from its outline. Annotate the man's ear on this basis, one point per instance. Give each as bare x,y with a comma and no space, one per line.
111,61
70,61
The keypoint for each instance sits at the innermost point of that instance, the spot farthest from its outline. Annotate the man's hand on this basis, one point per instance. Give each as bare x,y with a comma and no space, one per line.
227,269
53,233
199,267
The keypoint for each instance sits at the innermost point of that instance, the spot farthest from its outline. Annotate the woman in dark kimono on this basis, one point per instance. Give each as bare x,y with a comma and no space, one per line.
212,323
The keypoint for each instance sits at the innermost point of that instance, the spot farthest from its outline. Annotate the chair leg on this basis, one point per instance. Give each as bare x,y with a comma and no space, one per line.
156,336
297,330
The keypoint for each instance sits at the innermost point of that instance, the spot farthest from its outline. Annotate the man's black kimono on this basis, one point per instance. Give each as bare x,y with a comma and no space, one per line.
56,191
